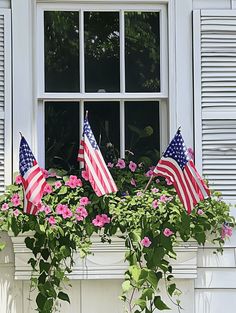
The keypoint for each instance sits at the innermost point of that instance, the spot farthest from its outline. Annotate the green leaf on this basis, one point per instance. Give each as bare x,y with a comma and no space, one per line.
135,272
159,304
63,296
44,266
45,254
126,286
40,300
141,303
29,242
147,294
171,289
48,305
63,190
152,279
2,246
14,226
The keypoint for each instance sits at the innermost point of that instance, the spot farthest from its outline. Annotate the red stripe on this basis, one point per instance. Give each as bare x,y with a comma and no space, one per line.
181,182
186,174
199,178
39,195
194,183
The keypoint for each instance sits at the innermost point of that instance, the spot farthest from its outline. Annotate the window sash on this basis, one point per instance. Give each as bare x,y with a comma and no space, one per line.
121,8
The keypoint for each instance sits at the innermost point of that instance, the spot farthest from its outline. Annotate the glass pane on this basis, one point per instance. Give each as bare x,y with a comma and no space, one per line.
102,60
142,131
142,52
104,121
61,39
61,135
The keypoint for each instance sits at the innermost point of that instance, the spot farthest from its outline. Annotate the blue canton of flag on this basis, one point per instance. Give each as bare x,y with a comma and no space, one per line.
32,178
180,170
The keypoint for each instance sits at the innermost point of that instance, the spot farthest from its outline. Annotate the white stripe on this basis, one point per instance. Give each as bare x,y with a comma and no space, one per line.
191,186
34,179
91,150
36,191
176,165
204,193
87,161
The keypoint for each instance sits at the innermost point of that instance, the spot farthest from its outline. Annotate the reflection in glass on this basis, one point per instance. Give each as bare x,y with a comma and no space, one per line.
104,121
61,39
142,130
61,135
142,52
102,65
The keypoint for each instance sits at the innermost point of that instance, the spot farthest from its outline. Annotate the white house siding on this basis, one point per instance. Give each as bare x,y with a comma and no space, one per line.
214,289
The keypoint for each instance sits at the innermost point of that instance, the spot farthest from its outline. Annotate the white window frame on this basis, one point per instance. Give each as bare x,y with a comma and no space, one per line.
122,96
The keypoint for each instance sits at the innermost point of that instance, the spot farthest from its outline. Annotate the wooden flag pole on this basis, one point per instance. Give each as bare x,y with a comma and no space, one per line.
86,114
149,182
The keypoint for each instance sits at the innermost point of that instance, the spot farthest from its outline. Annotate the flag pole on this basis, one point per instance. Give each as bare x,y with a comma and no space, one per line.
86,114
149,182
21,134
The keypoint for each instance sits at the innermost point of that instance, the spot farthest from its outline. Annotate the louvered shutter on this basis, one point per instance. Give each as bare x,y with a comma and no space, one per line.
215,98
5,99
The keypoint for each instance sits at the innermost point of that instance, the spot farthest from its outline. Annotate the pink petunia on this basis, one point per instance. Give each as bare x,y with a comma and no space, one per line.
60,208
57,184
226,231
52,220
18,180
106,219
85,175
15,196
79,218
67,213
139,194
120,164
155,190
47,210
168,181
163,198
157,181
5,207
167,232
81,211
149,173
155,204
146,242
101,220
15,201
133,182
132,166
16,212
48,189
200,212
84,201
190,153
110,165
74,182
45,172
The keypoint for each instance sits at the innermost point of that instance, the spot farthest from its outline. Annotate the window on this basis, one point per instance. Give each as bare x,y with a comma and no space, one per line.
111,61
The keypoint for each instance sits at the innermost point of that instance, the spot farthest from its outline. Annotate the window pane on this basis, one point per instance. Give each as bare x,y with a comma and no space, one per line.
104,121
142,131
61,35
102,65
142,52
61,134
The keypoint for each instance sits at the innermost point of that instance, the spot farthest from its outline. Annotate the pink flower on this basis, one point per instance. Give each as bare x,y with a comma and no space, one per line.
120,163
5,207
157,181
200,212
79,218
133,182
18,180
155,190
47,210
48,189
168,181
52,220
155,204
15,201
163,198
139,194
81,211
45,172
101,220
60,208
74,182
85,175
149,173
84,201
226,231
132,166
109,164
67,213
57,184
167,232
16,212
15,196
145,242
190,153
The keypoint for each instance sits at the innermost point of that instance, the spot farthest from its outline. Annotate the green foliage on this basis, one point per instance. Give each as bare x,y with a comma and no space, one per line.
151,224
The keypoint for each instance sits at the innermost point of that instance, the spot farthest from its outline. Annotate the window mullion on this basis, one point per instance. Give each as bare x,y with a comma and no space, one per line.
81,51
122,129
81,118
122,52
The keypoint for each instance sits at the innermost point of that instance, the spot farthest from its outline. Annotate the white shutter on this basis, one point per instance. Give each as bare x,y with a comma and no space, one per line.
5,99
215,97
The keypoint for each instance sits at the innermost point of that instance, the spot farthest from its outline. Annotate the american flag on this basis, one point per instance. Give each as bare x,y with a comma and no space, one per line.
90,155
179,168
32,178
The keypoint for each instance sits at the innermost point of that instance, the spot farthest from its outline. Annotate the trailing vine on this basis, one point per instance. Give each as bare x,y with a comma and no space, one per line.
151,224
